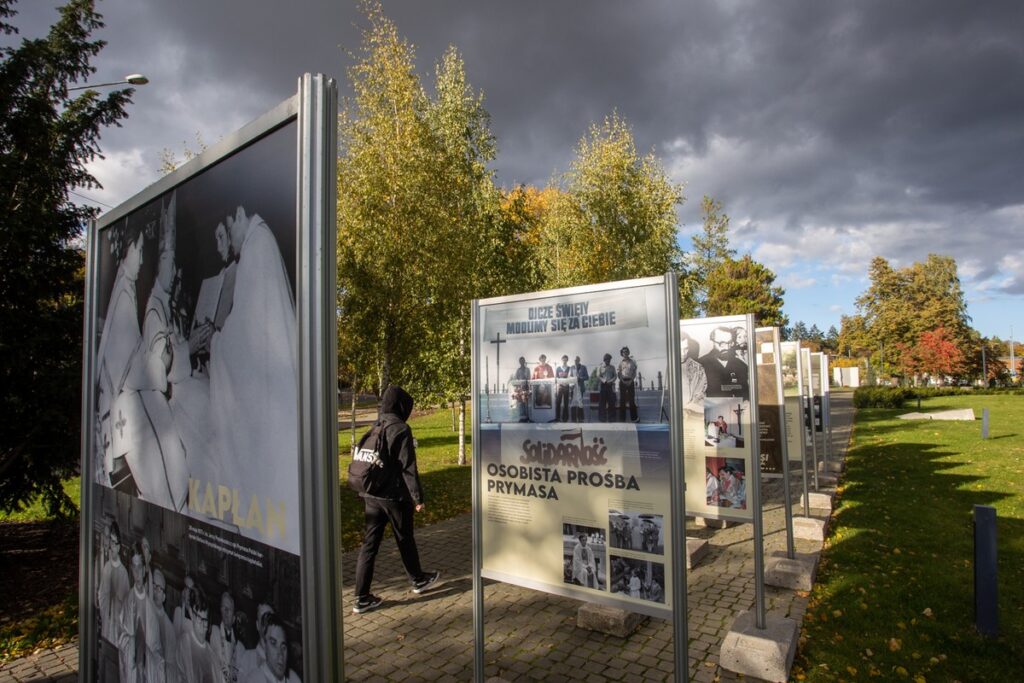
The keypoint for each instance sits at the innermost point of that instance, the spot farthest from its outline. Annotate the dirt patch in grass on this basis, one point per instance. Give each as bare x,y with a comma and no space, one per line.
38,585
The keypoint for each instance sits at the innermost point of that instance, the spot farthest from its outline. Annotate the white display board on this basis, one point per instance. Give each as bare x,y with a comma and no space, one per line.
574,442
719,415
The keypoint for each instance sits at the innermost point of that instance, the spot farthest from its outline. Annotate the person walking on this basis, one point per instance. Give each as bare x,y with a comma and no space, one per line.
401,497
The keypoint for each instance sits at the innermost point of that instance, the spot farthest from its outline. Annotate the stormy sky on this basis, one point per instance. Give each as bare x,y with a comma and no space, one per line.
831,132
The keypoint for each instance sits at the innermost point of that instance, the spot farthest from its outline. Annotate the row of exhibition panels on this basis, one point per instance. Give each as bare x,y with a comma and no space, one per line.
584,474
210,427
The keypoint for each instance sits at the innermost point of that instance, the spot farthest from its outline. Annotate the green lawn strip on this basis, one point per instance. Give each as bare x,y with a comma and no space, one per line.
36,511
446,484
894,596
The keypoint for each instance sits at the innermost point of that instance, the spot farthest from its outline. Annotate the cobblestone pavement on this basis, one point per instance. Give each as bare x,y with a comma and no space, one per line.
532,635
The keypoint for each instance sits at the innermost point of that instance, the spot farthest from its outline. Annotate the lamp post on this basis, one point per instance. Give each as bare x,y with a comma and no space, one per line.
130,79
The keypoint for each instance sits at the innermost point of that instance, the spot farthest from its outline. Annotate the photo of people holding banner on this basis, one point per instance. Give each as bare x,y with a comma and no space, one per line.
570,392
588,357
609,391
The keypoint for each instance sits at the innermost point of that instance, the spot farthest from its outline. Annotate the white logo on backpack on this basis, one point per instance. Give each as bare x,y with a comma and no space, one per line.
368,455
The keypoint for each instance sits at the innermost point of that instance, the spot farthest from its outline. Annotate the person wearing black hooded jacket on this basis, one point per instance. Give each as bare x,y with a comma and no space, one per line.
401,497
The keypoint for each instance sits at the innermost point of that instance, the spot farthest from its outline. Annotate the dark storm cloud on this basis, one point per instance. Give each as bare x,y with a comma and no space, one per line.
908,115
898,127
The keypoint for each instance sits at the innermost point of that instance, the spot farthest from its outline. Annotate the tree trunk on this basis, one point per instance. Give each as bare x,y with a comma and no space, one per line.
352,431
462,430
455,425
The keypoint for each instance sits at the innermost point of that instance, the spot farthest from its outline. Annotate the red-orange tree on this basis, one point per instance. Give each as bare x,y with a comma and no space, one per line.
935,353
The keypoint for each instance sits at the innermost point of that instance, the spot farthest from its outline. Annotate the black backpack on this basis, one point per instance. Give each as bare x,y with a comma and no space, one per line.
368,472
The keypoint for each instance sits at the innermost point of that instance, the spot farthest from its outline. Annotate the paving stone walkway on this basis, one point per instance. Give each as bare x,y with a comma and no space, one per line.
532,635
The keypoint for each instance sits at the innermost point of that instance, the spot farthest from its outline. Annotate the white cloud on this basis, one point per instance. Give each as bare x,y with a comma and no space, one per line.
796,281
1012,266
122,174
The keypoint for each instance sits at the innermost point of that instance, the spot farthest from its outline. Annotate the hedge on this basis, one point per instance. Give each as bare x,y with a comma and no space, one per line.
894,397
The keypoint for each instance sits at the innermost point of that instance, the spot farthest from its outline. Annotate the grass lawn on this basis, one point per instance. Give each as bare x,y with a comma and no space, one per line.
35,512
446,484
894,597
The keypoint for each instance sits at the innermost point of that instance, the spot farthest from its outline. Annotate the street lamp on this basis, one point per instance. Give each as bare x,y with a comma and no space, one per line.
130,79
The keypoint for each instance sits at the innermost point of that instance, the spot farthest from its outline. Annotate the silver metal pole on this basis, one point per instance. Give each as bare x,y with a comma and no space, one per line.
86,580
680,638
822,383
826,406
755,494
320,511
478,553
784,438
802,421
810,415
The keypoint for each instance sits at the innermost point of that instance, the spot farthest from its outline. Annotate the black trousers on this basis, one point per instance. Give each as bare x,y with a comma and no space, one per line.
562,403
606,403
379,514
627,399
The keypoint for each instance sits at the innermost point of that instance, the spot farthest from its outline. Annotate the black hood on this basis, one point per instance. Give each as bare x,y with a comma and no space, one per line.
396,401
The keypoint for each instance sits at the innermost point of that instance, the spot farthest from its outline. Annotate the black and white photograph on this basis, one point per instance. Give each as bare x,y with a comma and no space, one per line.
180,600
790,368
724,420
581,358
695,377
640,579
726,482
584,556
639,531
724,359
196,361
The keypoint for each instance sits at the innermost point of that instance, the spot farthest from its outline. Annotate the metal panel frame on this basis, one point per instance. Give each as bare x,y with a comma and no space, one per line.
320,507
680,632
809,415
677,485
826,408
784,438
86,554
803,428
315,276
747,321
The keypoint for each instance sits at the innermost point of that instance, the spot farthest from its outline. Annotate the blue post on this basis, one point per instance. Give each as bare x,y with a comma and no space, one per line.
984,423
986,603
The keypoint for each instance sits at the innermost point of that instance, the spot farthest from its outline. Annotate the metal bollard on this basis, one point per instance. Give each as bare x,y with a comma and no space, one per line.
986,603
984,423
